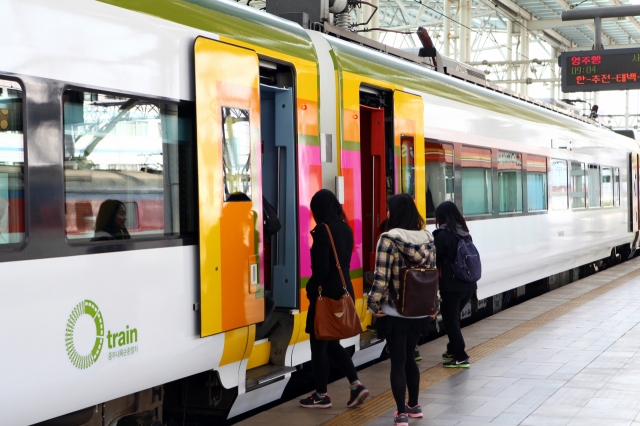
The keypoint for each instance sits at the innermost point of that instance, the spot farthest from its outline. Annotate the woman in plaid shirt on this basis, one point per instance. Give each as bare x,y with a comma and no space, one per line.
406,235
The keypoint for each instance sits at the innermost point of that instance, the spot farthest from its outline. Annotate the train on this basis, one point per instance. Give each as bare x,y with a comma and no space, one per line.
191,113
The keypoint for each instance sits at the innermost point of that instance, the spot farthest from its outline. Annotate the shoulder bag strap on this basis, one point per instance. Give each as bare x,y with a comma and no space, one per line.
335,254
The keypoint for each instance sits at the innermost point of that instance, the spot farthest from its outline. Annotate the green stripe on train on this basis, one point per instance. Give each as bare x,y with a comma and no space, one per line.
349,57
229,20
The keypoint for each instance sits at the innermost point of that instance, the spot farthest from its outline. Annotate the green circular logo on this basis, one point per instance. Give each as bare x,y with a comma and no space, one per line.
86,307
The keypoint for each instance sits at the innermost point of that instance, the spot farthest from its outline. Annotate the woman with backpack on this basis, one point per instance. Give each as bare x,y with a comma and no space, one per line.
408,239
326,210
454,291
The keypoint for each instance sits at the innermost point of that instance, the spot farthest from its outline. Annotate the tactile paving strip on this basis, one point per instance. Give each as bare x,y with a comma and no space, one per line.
380,404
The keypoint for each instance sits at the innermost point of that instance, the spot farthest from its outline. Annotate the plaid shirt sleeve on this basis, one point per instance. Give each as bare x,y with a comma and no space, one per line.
385,254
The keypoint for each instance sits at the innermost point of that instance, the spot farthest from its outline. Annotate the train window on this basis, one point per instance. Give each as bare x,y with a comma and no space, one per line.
594,185
607,187
616,186
476,180
11,164
236,154
559,185
510,181
129,167
407,166
439,164
536,183
578,186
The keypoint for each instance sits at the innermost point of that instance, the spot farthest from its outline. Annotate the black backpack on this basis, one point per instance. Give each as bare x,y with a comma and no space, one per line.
467,266
270,221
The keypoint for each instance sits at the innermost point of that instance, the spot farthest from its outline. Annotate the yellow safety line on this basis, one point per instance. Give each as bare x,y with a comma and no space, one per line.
375,407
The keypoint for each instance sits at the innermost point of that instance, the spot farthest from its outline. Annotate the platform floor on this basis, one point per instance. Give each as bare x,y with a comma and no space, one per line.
568,357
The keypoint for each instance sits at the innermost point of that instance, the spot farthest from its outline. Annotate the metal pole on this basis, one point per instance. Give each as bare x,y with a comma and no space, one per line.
598,33
375,22
600,12
626,110
446,39
509,51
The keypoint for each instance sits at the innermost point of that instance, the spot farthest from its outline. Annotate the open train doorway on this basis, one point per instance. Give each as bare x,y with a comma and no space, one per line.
377,182
277,115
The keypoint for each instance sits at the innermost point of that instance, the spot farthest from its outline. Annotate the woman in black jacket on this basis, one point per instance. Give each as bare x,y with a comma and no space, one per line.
327,210
454,292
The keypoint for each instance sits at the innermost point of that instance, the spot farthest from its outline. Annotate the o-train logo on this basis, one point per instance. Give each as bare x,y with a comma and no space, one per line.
84,346
86,307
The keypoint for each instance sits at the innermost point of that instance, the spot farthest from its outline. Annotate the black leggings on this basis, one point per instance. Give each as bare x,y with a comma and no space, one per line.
404,370
320,362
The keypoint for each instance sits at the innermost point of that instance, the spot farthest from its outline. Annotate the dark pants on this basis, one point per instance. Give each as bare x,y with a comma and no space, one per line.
450,309
404,370
319,351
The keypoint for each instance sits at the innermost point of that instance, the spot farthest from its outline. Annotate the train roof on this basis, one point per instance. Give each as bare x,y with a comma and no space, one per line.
376,65
231,20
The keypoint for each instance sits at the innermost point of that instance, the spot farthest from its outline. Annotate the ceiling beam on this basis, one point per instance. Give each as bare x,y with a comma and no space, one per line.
544,24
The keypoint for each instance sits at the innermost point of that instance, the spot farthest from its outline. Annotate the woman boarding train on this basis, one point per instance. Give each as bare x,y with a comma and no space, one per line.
407,239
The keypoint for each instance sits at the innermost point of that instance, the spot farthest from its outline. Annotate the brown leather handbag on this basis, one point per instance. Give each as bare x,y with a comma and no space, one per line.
418,291
335,319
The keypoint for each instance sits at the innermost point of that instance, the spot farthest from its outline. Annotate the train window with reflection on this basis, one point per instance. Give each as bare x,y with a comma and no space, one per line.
438,159
607,187
594,185
559,185
236,154
11,164
476,180
616,186
510,181
129,167
536,183
578,186
407,166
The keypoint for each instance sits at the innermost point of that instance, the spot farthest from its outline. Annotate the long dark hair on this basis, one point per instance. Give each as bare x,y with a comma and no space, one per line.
403,213
106,220
447,214
324,204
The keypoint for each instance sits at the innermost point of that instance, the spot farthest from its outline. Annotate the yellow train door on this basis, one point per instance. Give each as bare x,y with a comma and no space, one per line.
229,185
408,119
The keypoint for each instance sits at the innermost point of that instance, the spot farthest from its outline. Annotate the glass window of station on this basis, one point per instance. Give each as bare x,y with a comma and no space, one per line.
12,210
476,181
439,172
510,181
129,167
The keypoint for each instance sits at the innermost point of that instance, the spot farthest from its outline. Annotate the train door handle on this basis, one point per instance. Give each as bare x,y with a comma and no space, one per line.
253,274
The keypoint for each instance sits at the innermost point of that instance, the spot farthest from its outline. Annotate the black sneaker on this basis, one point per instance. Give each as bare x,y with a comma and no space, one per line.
400,419
456,364
358,395
447,357
314,401
416,354
414,412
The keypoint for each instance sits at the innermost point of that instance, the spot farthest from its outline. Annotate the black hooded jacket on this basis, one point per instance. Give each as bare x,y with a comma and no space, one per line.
446,250
323,265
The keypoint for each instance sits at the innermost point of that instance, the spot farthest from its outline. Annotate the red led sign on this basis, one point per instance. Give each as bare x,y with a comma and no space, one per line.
596,70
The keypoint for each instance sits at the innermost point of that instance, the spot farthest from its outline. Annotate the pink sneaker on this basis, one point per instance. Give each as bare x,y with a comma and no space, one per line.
400,419
414,412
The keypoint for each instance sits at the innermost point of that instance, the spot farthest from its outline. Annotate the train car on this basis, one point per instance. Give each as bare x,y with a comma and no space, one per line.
191,113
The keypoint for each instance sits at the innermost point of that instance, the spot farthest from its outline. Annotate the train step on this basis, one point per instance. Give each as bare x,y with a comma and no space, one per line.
368,338
265,375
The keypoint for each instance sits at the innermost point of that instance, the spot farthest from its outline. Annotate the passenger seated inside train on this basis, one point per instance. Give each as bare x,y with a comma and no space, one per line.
111,222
